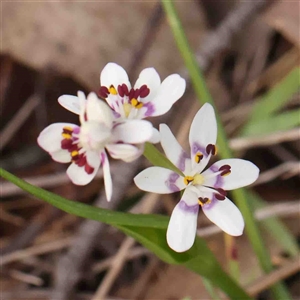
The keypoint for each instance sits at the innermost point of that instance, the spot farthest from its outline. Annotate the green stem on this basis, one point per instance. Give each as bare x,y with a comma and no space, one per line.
204,95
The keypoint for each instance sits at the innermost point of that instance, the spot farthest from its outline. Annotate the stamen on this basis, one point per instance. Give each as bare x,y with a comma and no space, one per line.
198,179
198,157
188,179
225,170
112,90
103,92
203,201
67,136
221,195
121,91
134,102
67,132
127,109
144,91
211,149
88,169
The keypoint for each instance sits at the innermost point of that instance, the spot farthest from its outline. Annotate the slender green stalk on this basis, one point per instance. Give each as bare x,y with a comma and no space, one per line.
204,95
210,289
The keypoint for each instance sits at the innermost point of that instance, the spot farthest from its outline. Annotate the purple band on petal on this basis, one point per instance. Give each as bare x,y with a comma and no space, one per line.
116,115
170,183
188,208
181,162
210,205
150,109
219,179
103,158
76,130
198,148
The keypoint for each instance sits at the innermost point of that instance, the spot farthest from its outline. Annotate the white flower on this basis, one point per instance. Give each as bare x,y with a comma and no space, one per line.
207,189
149,96
84,146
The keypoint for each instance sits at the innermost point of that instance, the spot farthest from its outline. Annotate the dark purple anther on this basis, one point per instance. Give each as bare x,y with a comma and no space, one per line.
219,197
125,89
225,170
144,91
136,93
88,169
121,91
103,92
211,149
131,94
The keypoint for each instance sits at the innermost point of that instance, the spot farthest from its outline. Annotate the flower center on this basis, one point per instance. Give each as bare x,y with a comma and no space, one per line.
127,99
93,135
71,144
195,180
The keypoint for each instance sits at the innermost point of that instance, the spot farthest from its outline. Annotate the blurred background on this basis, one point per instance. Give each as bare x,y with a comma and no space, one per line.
249,51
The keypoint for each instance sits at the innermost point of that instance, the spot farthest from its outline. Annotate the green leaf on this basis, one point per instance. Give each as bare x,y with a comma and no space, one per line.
87,211
276,228
149,230
158,159
277,97
281,122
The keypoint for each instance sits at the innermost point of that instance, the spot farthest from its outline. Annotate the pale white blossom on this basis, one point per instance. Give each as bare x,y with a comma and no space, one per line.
85,146
201,188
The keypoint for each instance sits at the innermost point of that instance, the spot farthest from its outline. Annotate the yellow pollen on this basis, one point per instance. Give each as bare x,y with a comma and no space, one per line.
226,174
188,179
67,136
198,179
134,102
127,109
201,201
68,128
216,150
198,157
112,90
74,153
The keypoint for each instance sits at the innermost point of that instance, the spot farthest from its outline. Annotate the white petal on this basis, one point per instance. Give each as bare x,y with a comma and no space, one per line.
50,138
132,132
62,156
125,152
82,104
107,176
183,224
97,110
243,173
155,138
115,75
172,148
150,78
78,175
70,103
226,216
202,133
171,89
159,180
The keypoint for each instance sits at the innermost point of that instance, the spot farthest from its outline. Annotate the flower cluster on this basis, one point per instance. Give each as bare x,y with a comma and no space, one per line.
116,127
112,123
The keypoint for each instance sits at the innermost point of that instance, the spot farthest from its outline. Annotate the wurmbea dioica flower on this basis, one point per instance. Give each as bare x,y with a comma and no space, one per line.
206,189
85,145
148,98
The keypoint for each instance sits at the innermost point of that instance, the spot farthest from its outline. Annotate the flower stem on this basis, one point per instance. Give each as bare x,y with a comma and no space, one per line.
204,95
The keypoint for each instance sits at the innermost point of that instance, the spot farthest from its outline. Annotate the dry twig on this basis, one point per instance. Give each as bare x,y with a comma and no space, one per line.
268,280
266,140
